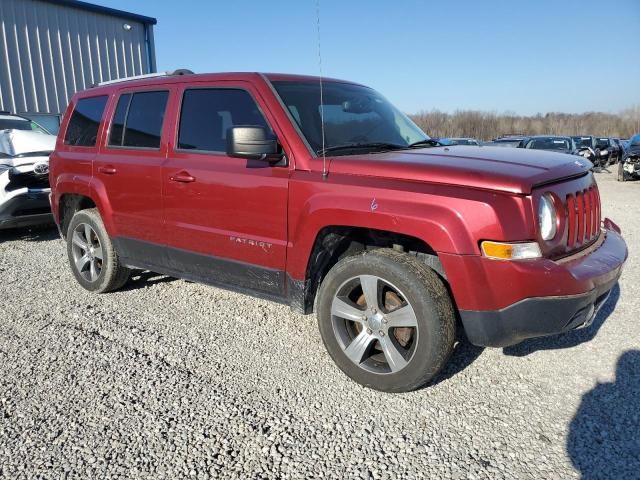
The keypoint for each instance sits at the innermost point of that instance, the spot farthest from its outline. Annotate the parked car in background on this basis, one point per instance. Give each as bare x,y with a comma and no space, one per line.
587,148
609,151
236,180
550,142
10,121
625,144
24,175
621,146
507,141
629,166
459,141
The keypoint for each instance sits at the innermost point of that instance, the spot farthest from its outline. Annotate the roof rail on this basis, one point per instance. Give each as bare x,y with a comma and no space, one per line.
180,71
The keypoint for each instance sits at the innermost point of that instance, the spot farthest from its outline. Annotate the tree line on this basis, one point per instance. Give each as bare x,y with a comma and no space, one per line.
487,125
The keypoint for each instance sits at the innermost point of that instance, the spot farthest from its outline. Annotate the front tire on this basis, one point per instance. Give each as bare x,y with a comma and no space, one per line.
386,319
621,171
93,260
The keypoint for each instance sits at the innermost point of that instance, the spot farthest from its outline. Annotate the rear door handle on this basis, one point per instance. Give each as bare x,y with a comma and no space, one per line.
108,170
182,177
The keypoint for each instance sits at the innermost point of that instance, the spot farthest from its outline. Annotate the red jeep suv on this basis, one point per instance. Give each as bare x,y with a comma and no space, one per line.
334,203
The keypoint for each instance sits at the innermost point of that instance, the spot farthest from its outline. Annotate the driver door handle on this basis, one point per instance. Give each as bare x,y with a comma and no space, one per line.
182,177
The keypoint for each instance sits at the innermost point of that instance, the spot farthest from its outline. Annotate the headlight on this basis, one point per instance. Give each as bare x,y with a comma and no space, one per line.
604,152
547,217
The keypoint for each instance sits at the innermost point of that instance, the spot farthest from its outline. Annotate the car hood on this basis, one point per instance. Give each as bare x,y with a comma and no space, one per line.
21,142
512,170
634,150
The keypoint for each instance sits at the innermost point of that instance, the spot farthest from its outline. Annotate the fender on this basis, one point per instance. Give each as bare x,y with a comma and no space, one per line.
65,184
438,215
69,183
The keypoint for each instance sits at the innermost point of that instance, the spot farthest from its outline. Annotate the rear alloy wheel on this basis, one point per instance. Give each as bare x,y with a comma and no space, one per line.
87,252
386,319
92,258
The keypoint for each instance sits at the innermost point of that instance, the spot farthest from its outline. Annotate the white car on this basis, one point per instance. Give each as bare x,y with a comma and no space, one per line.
24,172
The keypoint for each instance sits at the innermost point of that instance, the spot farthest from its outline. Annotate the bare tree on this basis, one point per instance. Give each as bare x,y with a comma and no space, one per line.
487,125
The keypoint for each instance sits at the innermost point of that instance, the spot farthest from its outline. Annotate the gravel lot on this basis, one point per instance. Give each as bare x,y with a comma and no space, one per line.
170,379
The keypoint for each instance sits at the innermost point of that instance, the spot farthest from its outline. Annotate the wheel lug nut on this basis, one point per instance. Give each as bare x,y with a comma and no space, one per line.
381,333
369,331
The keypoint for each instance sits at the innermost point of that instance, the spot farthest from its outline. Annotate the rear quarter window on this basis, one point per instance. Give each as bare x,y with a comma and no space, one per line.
82,130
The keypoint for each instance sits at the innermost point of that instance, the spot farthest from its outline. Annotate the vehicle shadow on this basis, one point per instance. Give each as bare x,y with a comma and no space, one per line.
464,354
145,279
569,339
40,233
603,440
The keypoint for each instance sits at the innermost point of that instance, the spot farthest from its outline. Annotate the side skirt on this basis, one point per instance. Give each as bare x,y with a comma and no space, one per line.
245,278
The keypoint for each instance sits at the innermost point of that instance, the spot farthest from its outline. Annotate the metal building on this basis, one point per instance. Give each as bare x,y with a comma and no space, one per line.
50,49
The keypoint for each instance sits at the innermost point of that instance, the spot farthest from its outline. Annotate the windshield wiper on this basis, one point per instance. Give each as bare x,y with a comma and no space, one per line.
379,146
429,142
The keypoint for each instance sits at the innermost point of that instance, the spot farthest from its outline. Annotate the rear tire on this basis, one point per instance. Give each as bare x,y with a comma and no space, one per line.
386,319
92,258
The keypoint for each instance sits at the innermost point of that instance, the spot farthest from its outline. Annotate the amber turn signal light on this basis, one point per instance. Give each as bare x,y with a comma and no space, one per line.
510,251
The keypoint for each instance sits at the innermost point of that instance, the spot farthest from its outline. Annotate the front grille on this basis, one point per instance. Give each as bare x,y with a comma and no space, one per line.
26,179
583,217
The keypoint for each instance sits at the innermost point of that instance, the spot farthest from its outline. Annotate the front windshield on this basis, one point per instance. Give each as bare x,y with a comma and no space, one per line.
582,141
549,144
20,124
353,115
461,141
505,143
602,143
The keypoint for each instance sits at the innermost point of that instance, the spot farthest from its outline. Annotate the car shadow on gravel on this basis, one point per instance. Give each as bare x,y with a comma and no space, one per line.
569,339
41,233
144,279
464,354
603,440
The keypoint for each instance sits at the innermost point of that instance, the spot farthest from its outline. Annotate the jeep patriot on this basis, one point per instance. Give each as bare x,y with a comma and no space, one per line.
342,207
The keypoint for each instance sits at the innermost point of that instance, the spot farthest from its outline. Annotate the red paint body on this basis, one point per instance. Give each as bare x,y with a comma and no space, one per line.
451,198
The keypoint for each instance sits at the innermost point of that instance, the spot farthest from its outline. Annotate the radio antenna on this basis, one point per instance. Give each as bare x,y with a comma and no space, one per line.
324,156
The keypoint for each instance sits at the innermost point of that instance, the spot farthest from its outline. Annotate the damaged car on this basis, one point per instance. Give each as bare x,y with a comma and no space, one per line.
629,166
24,177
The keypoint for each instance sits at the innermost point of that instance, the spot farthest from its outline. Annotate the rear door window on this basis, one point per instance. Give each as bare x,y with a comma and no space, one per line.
117,126
82,130
208,113
138,120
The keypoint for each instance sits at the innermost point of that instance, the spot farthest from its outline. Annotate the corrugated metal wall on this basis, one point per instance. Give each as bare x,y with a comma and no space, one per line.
49,51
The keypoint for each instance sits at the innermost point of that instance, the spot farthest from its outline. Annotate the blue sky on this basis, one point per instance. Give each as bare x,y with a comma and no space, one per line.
518,56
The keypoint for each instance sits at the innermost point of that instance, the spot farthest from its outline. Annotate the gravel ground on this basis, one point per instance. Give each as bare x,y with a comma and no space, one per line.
169,379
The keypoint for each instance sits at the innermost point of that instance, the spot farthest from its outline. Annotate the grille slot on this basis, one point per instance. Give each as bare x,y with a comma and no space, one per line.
583,217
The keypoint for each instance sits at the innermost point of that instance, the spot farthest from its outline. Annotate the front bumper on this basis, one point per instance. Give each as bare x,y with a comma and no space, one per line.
27,208
594,273
534,317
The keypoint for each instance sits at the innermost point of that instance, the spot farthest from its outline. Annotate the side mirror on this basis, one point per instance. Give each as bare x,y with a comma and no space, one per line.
252,142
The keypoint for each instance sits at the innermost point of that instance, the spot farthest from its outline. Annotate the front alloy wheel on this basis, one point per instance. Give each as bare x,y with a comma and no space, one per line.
386,319
375,325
